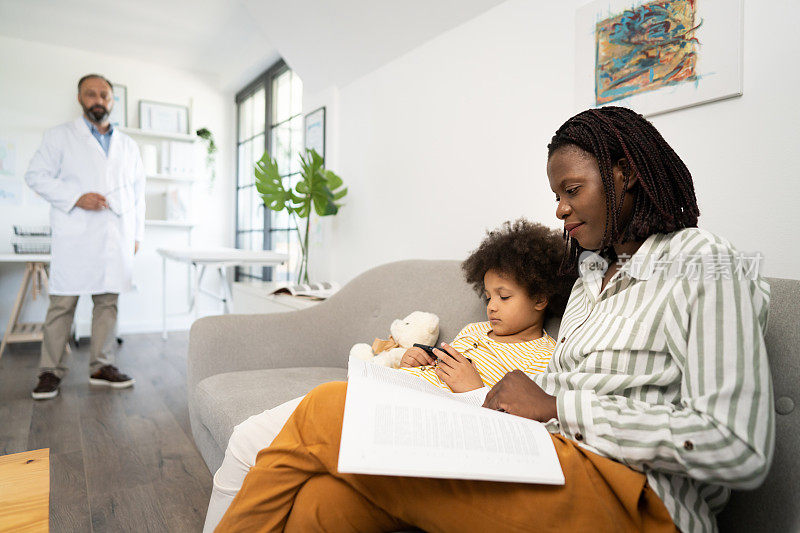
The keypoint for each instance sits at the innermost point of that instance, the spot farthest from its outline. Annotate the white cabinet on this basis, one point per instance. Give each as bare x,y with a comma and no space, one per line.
253,297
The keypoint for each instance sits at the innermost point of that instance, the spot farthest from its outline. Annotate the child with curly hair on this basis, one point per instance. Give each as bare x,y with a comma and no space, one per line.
516,270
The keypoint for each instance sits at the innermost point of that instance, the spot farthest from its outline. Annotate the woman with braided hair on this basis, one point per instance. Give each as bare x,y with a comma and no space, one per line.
659,193
658,396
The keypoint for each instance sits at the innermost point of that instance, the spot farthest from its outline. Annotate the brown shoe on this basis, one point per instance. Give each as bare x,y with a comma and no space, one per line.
110,376
47,387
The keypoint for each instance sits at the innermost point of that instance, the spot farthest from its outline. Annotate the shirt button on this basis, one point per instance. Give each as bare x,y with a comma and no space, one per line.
579,437
474,344
563,339
688,445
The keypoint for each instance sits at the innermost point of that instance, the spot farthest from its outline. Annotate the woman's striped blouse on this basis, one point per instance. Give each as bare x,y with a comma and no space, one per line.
666,370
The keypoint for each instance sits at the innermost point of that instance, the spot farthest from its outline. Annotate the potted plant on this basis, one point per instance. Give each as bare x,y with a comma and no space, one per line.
211,151
319,190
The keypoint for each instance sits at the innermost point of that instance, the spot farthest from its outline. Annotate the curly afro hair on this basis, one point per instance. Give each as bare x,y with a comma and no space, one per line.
530,254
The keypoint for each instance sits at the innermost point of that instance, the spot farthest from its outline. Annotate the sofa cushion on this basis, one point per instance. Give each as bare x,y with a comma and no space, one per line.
225,400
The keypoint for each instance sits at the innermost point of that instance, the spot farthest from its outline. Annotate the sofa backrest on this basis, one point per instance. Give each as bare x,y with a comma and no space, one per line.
387,292
775,506
396,289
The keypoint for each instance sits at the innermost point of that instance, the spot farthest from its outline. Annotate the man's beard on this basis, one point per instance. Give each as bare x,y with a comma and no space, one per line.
96,113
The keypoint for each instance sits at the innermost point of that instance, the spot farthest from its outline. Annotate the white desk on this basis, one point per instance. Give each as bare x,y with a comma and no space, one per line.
24,258
218,258
35,273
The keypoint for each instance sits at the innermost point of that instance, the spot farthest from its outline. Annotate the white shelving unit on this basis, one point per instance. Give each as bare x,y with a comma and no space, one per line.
169,224
135,132
171,178
159,182
158,186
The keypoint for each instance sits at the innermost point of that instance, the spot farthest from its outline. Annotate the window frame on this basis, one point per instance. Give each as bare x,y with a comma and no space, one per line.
262,80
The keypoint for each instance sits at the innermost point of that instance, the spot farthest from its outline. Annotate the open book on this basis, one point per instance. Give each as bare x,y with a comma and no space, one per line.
398,424
314,291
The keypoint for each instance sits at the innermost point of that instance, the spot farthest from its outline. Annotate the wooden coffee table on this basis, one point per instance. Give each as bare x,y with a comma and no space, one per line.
25,491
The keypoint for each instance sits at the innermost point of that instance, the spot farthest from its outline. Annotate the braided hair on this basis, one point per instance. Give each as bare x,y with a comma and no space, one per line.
663,202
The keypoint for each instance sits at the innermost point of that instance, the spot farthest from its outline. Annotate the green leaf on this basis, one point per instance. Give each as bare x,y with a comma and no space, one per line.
317,160
335,185
270,186
319,190
334,181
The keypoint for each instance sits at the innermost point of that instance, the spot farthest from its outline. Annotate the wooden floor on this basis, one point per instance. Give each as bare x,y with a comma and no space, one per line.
120,460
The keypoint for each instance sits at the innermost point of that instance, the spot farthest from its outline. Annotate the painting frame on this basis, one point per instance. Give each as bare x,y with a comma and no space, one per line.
314,131
719,64
119,113
160,117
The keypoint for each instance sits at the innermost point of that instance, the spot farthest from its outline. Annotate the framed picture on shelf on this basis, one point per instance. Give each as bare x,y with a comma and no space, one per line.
163,118
315,131
119,112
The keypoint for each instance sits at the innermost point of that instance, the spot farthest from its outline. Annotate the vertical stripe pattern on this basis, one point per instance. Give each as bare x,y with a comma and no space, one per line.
667,372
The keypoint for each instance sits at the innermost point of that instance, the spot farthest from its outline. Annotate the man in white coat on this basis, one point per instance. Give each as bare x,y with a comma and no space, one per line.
92,175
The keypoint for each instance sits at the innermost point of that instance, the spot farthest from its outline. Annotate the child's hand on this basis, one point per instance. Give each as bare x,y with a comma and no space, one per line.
457,371
415,357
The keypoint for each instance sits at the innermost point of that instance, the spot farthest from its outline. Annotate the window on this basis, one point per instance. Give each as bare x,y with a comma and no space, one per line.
269,117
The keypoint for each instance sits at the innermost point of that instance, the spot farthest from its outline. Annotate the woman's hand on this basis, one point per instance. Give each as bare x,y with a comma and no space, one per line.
457,371
415,357
517,394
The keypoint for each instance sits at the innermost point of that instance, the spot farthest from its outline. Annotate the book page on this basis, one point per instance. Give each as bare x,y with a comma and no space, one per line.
389,429
357,368
318,291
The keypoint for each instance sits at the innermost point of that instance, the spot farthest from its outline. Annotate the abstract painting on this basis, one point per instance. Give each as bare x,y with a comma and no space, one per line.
658,55
646,48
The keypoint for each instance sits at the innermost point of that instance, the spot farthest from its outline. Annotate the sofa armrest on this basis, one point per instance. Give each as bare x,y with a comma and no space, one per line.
322,335
230,343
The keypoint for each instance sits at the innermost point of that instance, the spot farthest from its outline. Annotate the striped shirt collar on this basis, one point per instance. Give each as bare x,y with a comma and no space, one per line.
592,266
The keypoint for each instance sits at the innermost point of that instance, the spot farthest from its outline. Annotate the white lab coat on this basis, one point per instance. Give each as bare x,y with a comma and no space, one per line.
92,251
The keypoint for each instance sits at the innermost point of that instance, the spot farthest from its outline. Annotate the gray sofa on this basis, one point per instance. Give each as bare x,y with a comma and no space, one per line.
240,365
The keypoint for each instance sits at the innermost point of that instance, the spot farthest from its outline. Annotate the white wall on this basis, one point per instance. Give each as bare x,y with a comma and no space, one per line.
450,139
38,91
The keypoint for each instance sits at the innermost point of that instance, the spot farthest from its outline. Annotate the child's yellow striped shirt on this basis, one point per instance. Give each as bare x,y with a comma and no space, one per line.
494,359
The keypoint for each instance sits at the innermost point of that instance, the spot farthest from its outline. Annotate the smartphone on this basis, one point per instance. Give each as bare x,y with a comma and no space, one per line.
429,351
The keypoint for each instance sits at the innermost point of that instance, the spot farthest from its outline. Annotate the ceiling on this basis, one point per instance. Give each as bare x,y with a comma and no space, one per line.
215,37
333,42
328,42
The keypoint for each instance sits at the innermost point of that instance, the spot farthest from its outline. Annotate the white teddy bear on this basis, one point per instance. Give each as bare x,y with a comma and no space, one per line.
418,327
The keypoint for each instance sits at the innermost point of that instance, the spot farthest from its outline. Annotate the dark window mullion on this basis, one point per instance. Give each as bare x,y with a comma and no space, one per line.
236,271
243,95
240,143
266,272
284,121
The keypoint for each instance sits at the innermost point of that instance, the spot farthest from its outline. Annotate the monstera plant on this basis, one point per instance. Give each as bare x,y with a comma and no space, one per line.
319,190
